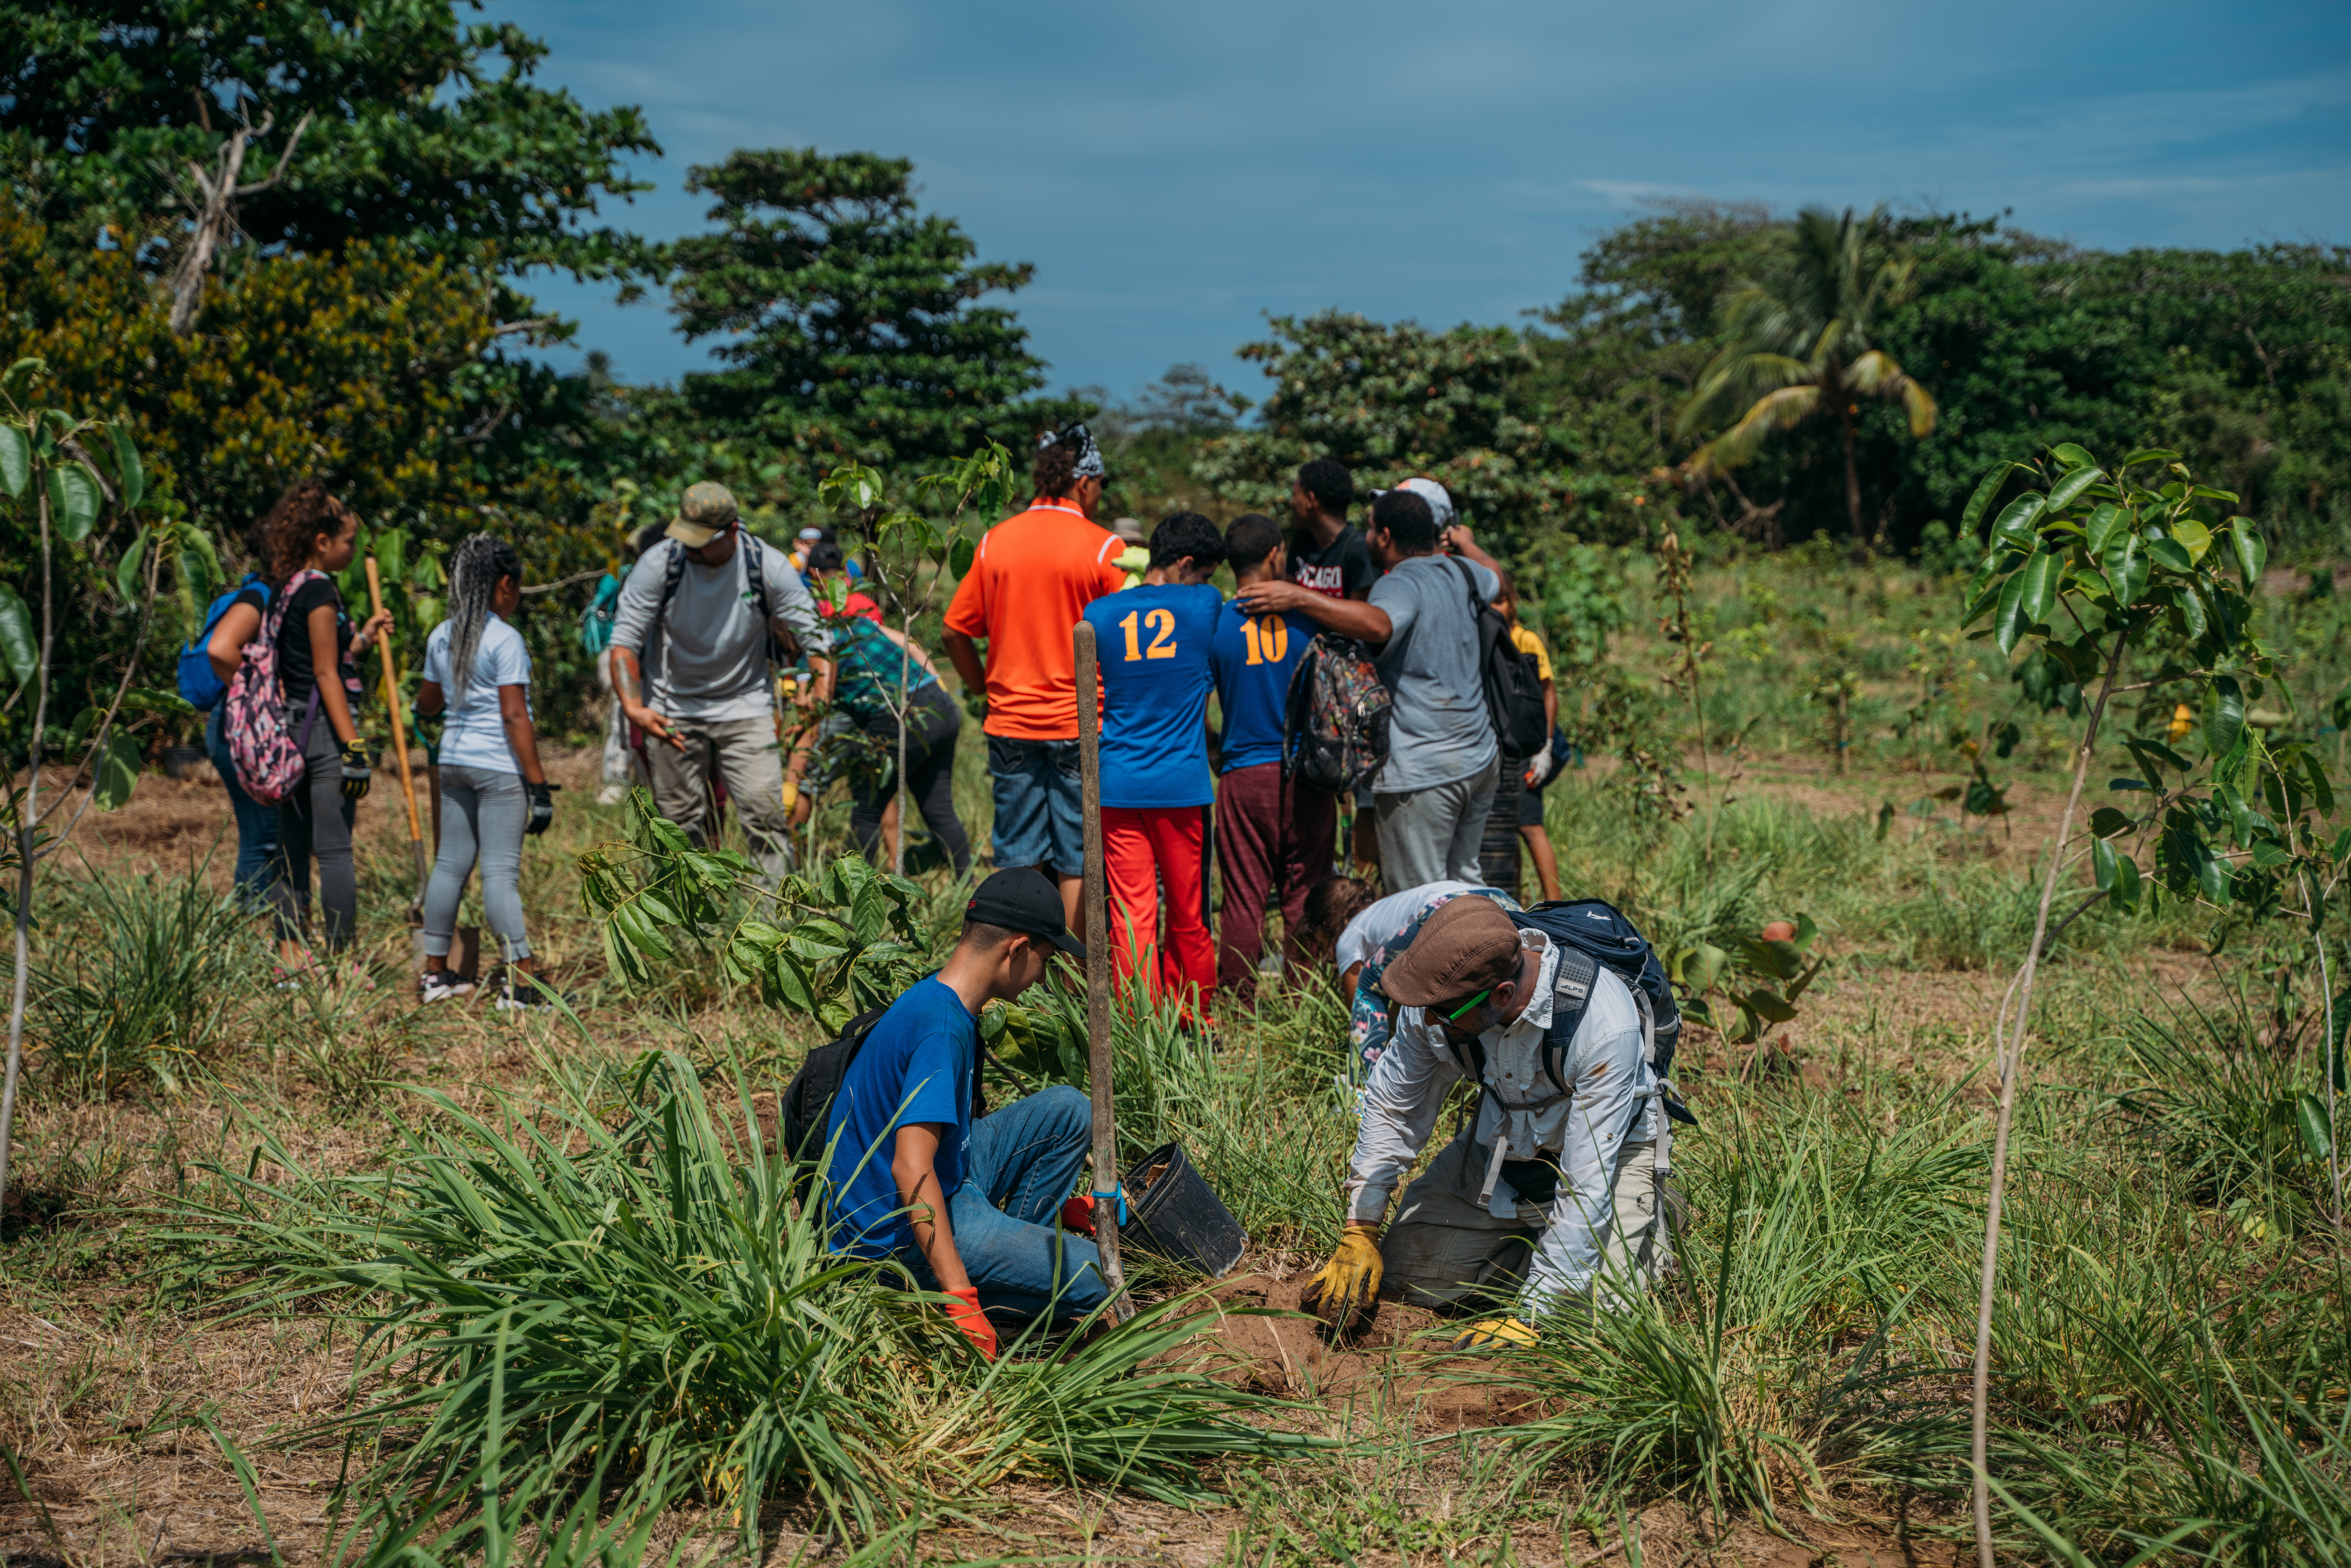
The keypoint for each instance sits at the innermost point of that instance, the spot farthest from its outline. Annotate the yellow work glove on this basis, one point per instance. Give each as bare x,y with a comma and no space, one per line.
1493,1334
792,796
1345,1294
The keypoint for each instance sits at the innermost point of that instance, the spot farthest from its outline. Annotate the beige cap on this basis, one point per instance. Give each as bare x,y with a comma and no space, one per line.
707,511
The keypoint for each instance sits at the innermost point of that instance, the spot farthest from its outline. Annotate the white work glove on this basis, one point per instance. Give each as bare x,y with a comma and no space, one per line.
1539,768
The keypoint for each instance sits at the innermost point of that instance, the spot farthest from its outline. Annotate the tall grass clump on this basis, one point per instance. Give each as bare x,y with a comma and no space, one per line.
620,1284
145,973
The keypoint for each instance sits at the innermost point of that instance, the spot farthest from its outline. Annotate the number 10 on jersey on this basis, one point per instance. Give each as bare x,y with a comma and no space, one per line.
1268,637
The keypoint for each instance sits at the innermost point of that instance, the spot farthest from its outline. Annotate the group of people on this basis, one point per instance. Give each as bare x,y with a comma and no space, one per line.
288,619
1551,1191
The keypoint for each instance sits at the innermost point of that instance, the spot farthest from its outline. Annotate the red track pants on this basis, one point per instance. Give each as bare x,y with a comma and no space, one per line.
1144,849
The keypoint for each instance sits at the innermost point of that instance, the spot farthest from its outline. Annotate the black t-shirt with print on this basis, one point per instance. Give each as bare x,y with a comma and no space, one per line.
1342,568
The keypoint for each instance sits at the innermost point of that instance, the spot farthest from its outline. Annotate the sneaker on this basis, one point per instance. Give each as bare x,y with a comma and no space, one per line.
520,993
440,984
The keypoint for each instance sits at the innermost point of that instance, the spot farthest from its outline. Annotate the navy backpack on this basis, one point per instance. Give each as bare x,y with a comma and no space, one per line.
201,686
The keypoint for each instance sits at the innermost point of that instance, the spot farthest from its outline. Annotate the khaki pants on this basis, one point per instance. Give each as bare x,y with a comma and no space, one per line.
741,752
1447,1252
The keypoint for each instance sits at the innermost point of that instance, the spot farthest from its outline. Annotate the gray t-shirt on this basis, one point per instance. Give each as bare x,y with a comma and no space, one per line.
709,658
1440,731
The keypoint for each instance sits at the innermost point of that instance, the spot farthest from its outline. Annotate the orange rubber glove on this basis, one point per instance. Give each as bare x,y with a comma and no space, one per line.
966,1315
1078,1215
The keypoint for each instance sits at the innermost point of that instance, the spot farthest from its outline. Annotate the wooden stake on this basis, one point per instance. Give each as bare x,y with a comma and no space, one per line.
1095,905
399,739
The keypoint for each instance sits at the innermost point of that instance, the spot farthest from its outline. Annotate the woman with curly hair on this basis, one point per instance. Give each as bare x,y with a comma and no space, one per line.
494,791
306,539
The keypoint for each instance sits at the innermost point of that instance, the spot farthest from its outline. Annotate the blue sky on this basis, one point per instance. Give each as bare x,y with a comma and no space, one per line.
1177,172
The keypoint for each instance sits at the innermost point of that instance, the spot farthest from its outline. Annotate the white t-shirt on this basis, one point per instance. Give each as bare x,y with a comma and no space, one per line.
1386,920
475,734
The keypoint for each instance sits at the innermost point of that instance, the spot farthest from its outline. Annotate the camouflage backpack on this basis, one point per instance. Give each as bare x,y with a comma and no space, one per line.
1334,731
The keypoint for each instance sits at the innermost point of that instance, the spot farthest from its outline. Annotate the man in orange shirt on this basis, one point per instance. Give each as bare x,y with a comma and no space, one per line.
1032,577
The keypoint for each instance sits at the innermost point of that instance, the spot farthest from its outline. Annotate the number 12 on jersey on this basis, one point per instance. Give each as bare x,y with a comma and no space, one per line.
1268,637
1162,623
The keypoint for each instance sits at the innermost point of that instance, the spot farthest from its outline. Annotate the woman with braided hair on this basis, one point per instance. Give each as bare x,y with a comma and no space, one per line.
493,790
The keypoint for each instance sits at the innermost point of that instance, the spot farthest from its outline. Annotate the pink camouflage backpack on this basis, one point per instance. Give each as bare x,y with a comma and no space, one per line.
268,752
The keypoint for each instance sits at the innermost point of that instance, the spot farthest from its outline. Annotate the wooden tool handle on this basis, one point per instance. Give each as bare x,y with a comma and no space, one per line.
1095,905
392,705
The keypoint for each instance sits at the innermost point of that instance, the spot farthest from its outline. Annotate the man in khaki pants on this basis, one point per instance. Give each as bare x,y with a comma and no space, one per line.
691,652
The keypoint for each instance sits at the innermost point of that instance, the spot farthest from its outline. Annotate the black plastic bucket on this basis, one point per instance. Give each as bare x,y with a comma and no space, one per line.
1171,1211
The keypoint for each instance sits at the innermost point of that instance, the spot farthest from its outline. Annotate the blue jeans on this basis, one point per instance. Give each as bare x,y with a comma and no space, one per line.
256,824
1018,1170
1038,817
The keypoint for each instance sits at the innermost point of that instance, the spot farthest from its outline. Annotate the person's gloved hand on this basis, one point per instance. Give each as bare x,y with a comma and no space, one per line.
1494,1334
792,796
1078,1215
358,772
1345,1294
1539,768
543,807
966,1315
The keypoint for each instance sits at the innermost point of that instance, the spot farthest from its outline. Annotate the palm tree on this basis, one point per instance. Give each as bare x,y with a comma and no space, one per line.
1797,344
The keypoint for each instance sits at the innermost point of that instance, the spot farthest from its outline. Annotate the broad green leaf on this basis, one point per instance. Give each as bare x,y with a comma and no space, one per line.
2310,1118
126,571
130,474
2268,854
2016,519
200,570
2068,490
73,502
118,771
16,460
18,645
2105,822
1980,502
2224,715
2150,454
2125,895
959,557
1778,958
1702,966
2215,876
2008,621
2072,456
2100,531
1768,1004
2190,605
792,985
33,362
2251,554
2043,575
2125,563
2194,537
2104,867
1981,602
1807,932
2170,553
2322,789
870,912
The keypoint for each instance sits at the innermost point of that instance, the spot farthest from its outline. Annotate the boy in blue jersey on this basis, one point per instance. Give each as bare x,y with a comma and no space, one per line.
967,1206
1152,644
1273,835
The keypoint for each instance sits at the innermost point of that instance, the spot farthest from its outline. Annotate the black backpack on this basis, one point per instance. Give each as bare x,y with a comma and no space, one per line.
1590,933
1514,698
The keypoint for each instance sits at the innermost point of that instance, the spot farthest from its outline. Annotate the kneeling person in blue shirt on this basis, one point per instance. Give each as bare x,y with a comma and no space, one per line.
967,1206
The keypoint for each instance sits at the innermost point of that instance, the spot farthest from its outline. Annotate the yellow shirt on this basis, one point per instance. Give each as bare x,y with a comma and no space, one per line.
1530,642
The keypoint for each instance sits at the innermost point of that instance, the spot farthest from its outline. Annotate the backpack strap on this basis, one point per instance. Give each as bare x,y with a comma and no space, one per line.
671,575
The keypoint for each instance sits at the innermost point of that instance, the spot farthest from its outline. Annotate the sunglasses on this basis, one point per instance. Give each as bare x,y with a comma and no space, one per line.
1477,1000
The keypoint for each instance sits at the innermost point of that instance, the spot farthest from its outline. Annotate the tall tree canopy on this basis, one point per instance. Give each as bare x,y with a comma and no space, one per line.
1393,400
849,319
424,129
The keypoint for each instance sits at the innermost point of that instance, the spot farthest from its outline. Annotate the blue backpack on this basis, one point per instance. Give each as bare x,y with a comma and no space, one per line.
201,686
1590,933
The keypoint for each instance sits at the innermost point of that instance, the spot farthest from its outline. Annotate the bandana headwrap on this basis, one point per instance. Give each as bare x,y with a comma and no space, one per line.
1090,463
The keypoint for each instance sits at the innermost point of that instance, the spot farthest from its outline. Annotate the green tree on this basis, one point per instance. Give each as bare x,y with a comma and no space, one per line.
421,129
1394,401
1797,343
854,329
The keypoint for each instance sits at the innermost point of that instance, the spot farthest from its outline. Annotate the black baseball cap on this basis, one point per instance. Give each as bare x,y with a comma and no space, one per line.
1024,901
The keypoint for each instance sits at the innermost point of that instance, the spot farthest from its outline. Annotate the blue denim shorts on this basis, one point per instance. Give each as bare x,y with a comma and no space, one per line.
1038,816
